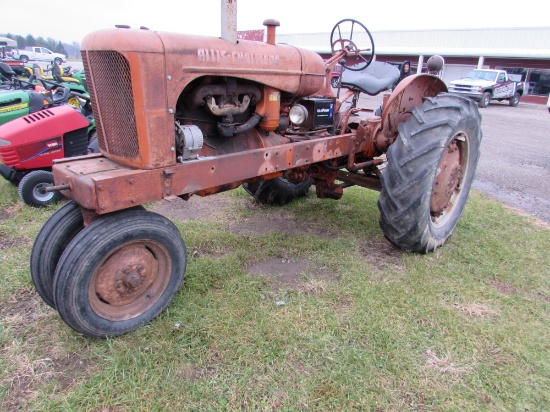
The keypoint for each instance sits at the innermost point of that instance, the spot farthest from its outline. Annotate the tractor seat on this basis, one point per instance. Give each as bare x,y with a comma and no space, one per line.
6,70
375,78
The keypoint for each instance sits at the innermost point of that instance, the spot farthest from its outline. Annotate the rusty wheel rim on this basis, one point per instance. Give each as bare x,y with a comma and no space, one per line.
448,183
130,280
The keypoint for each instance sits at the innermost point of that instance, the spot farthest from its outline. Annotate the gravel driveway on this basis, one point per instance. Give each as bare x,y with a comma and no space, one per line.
515,157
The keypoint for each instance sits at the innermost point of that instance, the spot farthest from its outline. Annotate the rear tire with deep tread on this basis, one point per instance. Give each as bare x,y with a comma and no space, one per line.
277,191
414,178
119,272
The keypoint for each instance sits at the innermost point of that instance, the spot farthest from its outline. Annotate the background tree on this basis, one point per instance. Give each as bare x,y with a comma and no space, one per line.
54,45
30,40
60,49
21,43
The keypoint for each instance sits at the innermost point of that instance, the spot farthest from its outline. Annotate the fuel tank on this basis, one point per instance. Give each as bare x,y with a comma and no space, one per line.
137,77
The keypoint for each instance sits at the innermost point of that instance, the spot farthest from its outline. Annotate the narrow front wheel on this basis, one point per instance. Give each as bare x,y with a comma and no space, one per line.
51,241
119,273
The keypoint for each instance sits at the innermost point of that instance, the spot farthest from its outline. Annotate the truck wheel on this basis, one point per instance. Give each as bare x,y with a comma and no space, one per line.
49,244
430,170
119,272
485,100
277,191
24,58
32,189
514,101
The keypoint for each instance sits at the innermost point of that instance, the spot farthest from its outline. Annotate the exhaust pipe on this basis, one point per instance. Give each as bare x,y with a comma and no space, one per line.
229,20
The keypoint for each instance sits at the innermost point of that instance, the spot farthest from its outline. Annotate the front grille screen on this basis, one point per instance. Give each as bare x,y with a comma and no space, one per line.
110,86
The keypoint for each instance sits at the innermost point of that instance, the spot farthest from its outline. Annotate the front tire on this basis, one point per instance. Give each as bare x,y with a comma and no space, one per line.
334,82
119,272
51,241
277,191
431,167
485,100
32,189
58,61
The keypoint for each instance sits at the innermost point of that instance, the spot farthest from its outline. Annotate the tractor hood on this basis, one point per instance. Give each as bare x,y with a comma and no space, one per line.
181,58
137,78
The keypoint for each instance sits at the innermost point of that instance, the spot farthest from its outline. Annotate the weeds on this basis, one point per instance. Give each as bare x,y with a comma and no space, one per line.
302,307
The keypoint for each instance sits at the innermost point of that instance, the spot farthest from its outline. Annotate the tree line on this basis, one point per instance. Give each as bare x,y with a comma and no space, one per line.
29,40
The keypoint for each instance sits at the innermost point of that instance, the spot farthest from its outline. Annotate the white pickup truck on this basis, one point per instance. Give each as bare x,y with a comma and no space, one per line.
39,54
484,85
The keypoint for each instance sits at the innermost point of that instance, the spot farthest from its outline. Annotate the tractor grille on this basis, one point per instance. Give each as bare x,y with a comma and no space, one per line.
110,86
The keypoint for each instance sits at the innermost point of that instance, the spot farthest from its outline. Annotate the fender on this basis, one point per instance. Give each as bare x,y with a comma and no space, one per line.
409,93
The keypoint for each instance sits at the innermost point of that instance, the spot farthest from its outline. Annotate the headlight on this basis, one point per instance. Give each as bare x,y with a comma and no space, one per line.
298,114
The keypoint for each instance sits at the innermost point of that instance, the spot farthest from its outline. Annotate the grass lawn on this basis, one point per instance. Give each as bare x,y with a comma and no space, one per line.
301,307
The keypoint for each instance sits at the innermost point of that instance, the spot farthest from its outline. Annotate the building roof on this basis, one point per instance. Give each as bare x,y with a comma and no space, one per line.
528,42
4,41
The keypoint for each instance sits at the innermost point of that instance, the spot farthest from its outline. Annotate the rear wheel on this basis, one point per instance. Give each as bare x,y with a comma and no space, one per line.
431,167
24,59
514,101
119,272
277,191
334,82
32,189
485,100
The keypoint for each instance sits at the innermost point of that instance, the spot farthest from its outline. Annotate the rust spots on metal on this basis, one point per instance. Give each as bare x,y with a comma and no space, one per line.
130,280
205,175
447,180
410,92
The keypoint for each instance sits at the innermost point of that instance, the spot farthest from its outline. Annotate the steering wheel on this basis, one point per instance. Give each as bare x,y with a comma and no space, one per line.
357,45
26,84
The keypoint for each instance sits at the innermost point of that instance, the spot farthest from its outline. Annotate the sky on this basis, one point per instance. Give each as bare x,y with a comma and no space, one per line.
203,17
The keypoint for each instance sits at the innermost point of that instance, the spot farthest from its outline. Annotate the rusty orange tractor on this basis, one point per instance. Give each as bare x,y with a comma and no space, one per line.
192,115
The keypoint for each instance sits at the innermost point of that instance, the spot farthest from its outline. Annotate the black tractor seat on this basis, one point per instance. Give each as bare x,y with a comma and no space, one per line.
375,78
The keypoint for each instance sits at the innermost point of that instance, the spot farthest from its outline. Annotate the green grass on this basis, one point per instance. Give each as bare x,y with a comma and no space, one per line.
363,327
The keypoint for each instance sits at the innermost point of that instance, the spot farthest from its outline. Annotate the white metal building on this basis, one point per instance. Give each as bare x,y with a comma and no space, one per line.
524,51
